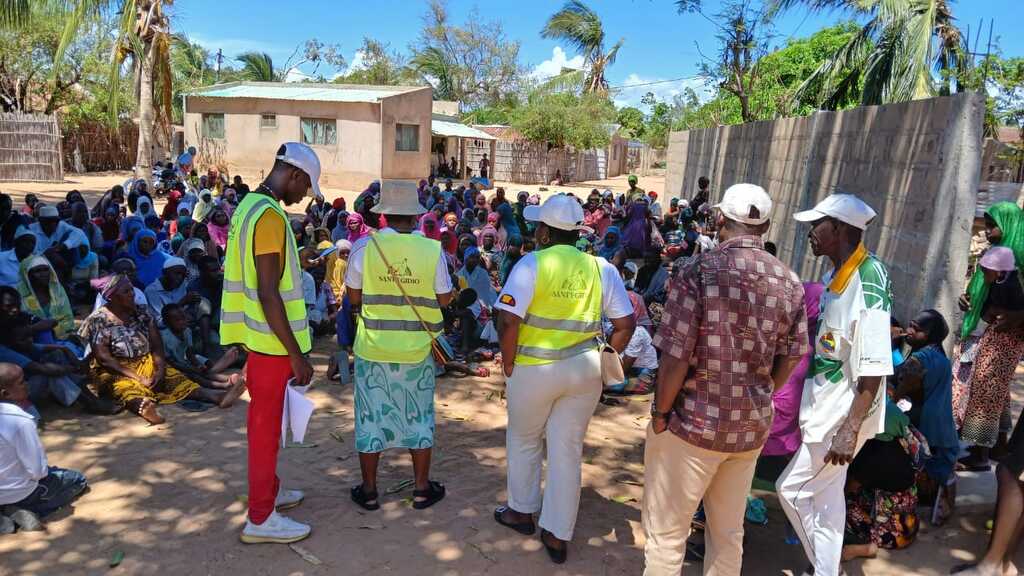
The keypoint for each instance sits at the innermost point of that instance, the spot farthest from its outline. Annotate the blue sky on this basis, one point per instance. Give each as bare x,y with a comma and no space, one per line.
659,43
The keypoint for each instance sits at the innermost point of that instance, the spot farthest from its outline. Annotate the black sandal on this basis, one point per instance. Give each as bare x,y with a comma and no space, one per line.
524,528
363,498
434,493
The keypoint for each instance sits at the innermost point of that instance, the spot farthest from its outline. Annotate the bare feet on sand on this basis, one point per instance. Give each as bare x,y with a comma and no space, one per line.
237,386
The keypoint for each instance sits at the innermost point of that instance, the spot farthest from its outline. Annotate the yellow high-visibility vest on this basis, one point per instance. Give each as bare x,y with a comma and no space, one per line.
241,317
389,330
564,317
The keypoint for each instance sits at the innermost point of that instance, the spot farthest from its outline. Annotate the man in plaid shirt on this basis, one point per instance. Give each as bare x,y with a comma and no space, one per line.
733,329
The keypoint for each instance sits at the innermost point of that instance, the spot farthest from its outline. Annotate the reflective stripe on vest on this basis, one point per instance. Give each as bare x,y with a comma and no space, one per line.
242,318
389,330
564,315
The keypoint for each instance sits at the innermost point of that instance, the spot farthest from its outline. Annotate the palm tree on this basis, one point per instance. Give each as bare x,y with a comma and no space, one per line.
439,70
259,67
581,28
892,58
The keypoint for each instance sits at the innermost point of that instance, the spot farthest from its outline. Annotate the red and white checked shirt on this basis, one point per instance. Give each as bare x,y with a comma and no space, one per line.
730,312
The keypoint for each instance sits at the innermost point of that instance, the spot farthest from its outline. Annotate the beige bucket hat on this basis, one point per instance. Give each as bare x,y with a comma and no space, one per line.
398,197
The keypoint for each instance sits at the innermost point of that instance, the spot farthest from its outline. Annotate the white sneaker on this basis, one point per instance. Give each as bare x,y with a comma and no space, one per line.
287,499
276,529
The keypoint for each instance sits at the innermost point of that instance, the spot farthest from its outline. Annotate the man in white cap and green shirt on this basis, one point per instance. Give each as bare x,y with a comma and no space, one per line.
400,282
263,310
550,319
843,404
733,329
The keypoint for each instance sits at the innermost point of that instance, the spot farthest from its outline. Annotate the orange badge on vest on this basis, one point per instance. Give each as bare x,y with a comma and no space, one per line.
507,300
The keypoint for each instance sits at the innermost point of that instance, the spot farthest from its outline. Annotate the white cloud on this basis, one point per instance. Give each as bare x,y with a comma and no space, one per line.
358,62
296,75
634,87
553,66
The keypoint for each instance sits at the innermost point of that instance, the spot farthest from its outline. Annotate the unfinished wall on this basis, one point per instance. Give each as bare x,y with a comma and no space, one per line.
917,164
407,108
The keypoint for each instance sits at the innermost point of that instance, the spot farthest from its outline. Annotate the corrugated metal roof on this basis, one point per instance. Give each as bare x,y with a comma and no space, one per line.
448,126
295,91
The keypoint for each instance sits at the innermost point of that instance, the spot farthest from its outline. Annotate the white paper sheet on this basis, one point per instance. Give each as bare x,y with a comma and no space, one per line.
296,414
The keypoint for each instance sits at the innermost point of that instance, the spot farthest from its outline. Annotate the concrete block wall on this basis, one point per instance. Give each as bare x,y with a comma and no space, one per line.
918,164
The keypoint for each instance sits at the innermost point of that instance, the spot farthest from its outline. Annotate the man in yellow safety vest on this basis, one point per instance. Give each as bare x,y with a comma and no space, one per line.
400,282
263,310
551,310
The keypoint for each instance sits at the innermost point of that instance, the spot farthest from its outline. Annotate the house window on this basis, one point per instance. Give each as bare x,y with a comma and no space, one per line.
407,137
319,132
213,126
268,120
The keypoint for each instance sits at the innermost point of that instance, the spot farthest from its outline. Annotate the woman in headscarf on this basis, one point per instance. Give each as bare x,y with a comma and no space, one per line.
191,251
114,196
469,219
203,207
987,355
926,379
429,226
42,295
202,231
473,275
170,211
507,219
143,209
149,262
611,245
488,245
340,229
423,192
520,205
637,233
181,230
466,241
128,356
218,227
451,220
357,227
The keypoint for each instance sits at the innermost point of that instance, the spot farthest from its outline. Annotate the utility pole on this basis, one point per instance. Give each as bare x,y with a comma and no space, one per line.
220,58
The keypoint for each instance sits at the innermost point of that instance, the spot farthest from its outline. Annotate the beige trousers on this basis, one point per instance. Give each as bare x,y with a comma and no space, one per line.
677,475
554,401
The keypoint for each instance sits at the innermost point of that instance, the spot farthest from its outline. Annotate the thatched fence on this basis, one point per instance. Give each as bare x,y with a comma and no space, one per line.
96,147
30,148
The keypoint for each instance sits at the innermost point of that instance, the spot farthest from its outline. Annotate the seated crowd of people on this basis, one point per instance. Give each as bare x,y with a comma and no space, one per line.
149,287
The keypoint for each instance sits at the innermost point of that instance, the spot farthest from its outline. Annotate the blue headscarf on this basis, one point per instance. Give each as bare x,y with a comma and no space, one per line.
507,217
148,267
608,250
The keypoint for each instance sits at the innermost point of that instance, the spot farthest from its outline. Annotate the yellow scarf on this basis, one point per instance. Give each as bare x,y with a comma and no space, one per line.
842,277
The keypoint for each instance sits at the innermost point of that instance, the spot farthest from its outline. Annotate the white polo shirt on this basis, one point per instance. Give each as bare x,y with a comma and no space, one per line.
354,272
22,459
519,288
852,341
641,347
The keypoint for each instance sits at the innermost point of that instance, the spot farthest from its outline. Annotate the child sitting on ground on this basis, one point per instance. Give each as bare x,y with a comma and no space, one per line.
29,488
181,353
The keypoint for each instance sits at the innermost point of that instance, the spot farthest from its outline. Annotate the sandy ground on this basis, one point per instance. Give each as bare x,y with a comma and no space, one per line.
171,498
93,185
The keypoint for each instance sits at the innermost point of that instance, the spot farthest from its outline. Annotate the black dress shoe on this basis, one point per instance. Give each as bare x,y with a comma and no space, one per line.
557,555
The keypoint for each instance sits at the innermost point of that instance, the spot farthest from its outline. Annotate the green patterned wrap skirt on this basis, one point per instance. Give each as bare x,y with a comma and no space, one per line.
394,405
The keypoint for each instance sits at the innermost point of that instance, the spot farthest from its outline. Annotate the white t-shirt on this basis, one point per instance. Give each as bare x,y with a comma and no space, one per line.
354,273
22,459
853,341
73,237
615,303
641,347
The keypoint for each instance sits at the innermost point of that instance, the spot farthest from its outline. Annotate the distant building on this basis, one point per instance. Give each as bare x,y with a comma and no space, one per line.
361,133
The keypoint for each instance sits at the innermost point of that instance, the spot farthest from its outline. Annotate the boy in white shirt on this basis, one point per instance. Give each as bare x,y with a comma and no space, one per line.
26,481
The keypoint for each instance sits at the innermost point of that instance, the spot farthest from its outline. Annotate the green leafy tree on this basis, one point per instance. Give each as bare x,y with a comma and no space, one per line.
381,66
658,122
892,58
259,67
580,27
473,64
632,121
566,119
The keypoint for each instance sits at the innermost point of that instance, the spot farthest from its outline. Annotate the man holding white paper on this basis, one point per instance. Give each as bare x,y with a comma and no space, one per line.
843,401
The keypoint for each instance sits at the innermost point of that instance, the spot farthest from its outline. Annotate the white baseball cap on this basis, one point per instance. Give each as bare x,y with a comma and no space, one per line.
843,207
173,262
304,158
558,211
742,199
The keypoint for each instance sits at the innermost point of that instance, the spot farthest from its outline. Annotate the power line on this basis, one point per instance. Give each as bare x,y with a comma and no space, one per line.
656,82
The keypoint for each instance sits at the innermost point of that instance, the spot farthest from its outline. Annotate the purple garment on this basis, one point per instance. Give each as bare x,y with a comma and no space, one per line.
636,233
784,438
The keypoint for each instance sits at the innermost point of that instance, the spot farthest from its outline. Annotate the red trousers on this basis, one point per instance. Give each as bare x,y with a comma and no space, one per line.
266,378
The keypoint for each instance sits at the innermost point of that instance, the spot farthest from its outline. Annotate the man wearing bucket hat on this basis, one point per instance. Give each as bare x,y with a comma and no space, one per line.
400,282
551,309
733,329
843,403
263,310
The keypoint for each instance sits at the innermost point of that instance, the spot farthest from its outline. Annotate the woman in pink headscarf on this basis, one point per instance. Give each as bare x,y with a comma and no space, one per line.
357,227
430,227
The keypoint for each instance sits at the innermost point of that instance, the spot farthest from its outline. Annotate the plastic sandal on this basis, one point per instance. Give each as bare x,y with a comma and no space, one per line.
433,494
363,499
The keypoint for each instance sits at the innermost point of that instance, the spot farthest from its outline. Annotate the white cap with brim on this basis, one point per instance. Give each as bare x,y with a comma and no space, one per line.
742,200
558,211
304,158
846,208
173,261
49,212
